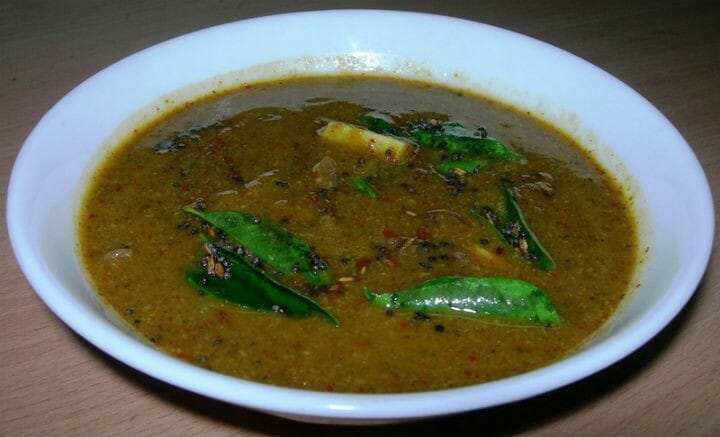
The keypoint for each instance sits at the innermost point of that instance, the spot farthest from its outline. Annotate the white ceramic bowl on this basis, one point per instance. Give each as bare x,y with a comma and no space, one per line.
627,134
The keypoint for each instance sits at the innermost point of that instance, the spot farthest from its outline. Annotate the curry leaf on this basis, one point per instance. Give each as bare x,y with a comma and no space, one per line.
454,138
505,299
380,125
363,186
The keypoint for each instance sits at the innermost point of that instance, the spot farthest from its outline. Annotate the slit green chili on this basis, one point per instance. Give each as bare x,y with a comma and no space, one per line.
529,244
270,242
514,230
238,282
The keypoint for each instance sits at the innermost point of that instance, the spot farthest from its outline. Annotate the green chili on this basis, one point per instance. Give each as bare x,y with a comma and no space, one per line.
448,136
226,275
270,242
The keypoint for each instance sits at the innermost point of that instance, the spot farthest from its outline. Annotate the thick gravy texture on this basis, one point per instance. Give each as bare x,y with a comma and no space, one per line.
257,150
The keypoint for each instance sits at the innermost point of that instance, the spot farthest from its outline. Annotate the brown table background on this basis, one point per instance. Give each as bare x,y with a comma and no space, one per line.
52,382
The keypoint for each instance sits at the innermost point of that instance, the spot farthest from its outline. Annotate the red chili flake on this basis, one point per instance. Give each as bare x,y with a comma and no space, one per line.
404,324
329,388
499,250
468,373
118,187
472,358
420,234
91,216
229,160
222,317
389,233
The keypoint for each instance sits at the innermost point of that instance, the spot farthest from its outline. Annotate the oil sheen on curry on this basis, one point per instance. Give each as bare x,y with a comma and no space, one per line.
357,234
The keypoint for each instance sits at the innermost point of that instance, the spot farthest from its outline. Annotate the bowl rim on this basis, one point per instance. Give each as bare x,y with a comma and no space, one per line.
309,405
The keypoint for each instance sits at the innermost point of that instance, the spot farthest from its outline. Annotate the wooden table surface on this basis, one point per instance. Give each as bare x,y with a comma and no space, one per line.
52,382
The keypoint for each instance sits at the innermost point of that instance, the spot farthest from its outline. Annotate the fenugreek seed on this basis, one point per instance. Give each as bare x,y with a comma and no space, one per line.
411,213
459,172
546,176
219,270
209,263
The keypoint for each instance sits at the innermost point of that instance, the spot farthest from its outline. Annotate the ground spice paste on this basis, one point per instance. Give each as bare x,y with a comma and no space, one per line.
257,150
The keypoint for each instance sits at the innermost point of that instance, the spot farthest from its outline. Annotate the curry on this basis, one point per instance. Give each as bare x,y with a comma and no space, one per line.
357,234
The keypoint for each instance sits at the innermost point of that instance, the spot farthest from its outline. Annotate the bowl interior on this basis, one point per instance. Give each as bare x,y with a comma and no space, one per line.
642,149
